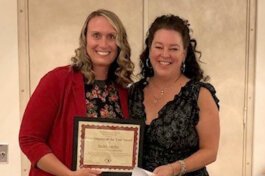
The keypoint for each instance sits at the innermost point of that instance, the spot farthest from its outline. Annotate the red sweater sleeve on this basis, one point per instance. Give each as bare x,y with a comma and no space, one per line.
39,117
123,94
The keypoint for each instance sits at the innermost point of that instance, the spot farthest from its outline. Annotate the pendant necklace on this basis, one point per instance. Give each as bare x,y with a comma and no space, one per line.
156,99
162,91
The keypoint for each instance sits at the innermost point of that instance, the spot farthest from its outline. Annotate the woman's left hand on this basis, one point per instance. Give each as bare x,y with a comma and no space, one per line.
165,170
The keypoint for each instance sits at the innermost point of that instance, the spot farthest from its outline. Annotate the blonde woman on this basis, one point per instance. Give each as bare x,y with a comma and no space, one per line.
93,86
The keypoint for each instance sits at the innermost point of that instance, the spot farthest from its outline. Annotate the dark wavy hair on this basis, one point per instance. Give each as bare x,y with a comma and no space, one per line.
121,70
172,22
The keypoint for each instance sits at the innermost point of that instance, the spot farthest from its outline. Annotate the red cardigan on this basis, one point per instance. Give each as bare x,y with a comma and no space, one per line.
47,124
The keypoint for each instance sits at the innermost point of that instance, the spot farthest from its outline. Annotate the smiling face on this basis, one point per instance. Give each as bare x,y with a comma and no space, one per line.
167,53
101,43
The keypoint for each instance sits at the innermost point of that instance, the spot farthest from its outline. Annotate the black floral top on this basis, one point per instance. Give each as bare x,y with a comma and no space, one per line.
172,136
102,100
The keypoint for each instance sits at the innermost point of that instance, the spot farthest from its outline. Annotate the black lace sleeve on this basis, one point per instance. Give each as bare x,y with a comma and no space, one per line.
212,90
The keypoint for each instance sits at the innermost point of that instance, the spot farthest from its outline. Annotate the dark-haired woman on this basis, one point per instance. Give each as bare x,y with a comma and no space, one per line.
179,107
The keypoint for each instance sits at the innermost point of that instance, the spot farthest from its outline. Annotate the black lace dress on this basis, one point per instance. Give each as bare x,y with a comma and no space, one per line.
172,136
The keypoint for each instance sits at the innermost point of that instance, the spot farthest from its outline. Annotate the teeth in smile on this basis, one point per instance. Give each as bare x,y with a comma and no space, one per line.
103,53
164,62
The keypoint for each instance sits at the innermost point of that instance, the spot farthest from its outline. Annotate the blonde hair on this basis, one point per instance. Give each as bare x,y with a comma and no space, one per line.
121,69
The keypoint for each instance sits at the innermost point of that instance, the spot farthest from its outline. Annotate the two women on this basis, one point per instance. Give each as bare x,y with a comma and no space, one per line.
179,108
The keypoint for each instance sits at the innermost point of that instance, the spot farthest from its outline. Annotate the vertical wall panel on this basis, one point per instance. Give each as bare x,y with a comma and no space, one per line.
259,130
9,91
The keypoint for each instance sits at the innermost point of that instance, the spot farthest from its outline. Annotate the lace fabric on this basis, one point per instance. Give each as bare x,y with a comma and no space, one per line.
172,136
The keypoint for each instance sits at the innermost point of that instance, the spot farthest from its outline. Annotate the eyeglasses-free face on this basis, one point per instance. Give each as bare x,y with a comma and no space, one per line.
167,53
101,43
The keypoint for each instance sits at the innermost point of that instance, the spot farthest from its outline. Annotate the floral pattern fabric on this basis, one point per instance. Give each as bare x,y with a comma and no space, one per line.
102,100
172,136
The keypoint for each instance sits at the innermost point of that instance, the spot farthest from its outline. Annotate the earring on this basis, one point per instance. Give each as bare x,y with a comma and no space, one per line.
183,67
148,63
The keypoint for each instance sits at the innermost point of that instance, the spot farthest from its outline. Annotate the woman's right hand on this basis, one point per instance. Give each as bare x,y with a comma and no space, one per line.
86,172
50,163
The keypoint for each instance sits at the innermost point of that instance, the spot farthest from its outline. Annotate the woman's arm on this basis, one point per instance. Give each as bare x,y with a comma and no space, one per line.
38,121
208,130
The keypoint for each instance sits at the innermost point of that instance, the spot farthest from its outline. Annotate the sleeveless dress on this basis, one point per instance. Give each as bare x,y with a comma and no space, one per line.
172,136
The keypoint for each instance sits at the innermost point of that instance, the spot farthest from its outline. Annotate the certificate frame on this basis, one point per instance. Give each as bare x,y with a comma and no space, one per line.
116,145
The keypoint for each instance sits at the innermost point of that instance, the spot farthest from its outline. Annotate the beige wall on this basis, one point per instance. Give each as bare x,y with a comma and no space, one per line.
259,122
9,90
9,98
54,25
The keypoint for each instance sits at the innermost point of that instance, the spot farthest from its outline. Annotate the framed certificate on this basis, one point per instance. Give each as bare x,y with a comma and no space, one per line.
111,145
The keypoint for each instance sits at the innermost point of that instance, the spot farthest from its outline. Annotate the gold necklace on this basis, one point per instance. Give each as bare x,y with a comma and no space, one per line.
162,91
157,99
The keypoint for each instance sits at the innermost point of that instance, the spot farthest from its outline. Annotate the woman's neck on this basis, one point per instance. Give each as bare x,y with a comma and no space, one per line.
101,73
165,81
